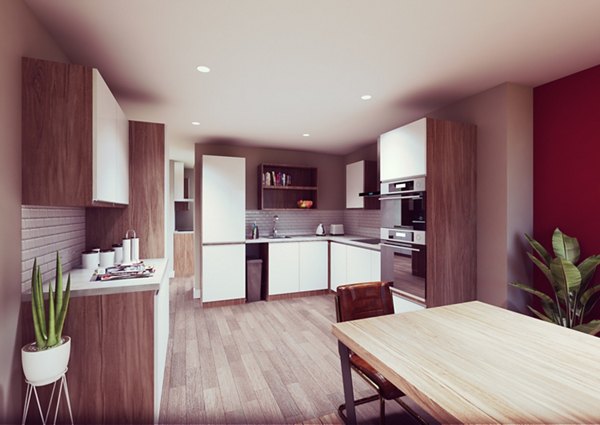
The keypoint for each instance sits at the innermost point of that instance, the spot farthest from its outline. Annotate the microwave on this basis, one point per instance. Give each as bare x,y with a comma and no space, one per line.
403,204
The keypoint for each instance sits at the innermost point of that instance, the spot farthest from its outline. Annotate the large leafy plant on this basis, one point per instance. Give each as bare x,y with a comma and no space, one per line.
573,291
48,329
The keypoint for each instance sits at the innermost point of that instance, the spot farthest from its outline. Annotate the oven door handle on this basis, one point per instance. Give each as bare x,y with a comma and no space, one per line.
399,247
393,198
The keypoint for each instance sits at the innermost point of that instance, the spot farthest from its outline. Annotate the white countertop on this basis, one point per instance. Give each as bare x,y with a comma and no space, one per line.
346,239
82,286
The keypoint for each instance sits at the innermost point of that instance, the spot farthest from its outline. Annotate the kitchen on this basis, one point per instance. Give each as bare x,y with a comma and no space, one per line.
502,111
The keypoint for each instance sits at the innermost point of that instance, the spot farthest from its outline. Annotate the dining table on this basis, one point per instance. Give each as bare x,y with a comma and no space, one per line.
478,363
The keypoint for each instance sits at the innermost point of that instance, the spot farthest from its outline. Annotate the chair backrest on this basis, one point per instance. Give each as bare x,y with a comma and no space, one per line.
362,300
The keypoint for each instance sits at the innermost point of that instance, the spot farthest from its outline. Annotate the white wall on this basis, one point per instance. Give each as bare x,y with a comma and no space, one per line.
20,35
504,119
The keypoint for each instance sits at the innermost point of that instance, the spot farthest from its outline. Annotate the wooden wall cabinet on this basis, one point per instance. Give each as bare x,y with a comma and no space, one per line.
286,185
361,177
75,137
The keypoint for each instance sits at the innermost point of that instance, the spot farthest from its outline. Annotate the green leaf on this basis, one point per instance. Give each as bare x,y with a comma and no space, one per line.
543,267
565,247
539,294
539,249
52,340
585,297
587,268
540,315
591,328
566,275
59,285
63,313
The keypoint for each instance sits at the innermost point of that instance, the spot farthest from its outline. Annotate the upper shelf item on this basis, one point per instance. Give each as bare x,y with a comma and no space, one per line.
283,186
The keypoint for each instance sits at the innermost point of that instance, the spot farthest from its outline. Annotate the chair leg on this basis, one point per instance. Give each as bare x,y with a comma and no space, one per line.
381,410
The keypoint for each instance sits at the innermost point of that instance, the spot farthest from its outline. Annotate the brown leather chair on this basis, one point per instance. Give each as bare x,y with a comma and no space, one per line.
360,301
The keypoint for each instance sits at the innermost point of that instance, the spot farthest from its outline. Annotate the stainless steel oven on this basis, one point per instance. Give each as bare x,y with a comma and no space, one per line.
405,263
403,204
403,247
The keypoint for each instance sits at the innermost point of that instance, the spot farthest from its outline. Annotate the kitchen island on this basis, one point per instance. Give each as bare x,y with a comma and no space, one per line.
119,331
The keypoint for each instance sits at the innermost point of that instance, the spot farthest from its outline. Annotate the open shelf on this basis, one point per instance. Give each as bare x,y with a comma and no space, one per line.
280,187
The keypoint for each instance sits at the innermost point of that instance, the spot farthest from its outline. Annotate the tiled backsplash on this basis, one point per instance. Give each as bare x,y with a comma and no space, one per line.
362,222
305,222
44,230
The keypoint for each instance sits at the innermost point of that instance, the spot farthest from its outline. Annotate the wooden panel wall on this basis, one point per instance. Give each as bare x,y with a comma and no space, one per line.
451,212
145,212
111,369
53,94
183,254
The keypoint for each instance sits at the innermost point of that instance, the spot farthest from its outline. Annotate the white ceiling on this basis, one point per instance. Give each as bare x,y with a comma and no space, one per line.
281,68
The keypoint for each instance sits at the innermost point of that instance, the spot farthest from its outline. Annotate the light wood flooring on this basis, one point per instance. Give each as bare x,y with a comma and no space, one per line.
263,362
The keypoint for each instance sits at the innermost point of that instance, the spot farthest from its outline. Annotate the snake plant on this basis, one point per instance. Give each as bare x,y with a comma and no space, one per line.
48,331
571,284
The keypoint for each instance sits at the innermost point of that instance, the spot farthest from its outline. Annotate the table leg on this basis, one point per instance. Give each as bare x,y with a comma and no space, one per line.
347,380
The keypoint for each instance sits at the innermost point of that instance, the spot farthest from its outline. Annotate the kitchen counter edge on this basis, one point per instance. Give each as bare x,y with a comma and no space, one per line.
81,286
346,240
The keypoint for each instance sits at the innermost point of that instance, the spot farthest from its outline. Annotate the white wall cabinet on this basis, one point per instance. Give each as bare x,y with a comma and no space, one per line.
355,177
351,264
223,272
403,151
178,176
361,177
223,199
297,266
110,146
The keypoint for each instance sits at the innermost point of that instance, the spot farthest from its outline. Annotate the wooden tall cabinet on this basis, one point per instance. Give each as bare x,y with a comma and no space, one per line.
74,137
451,212
445,152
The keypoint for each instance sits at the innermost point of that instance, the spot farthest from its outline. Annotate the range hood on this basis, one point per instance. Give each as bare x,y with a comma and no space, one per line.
369,194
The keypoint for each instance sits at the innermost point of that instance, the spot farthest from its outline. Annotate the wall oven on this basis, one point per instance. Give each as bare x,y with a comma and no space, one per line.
403,248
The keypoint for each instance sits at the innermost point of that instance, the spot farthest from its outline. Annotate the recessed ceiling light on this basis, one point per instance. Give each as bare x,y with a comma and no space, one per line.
366,97
203,68
195,123
306,135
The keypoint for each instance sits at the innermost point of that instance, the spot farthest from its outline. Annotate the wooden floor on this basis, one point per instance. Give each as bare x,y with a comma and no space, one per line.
263,362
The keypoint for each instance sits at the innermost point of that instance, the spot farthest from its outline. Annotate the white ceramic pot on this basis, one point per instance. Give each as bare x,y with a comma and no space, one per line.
45,366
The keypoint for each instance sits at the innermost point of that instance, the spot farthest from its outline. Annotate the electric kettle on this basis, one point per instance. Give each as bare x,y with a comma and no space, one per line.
320,230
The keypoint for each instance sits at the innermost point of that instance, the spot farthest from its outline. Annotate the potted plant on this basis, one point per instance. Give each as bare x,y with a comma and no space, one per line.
571,284
47,358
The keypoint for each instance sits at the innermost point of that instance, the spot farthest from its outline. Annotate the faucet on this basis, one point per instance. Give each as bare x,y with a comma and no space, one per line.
275,231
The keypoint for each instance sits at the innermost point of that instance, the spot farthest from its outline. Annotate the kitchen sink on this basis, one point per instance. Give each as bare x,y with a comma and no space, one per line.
368,241
279,237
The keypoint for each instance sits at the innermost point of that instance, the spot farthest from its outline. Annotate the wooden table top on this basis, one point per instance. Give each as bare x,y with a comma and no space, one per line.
476,363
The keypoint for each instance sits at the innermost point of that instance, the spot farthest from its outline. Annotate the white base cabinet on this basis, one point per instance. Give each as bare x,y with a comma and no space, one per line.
223,272
351,264
283,268
297,266
313,266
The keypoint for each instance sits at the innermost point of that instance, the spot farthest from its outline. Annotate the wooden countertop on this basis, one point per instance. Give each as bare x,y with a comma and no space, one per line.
476,363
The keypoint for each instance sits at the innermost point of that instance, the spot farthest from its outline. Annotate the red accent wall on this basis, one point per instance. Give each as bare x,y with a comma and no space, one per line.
566,169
